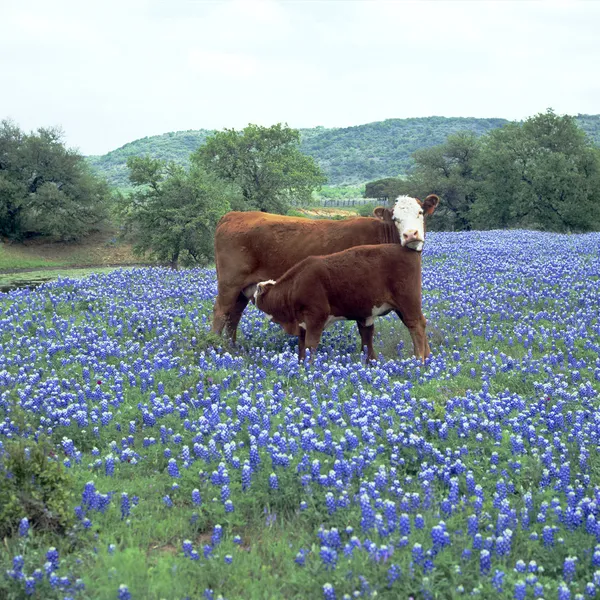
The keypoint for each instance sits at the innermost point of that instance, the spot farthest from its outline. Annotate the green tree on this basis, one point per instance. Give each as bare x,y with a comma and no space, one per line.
449,170
173,212
46,188
542,174
387,189
265,163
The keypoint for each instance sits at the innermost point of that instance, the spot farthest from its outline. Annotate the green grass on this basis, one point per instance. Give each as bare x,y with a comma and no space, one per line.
13,260
37,277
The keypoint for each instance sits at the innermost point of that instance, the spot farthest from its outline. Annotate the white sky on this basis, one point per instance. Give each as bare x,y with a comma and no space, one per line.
112,71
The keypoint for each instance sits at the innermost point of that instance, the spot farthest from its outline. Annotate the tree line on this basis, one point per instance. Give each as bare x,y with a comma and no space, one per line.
543,173
171,211
347,156
46,188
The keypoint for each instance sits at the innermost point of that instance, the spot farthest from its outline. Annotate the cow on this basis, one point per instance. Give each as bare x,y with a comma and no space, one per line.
251,247
357,284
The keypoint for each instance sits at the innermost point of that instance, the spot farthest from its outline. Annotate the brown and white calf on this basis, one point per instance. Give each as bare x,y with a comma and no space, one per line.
254,246
357,284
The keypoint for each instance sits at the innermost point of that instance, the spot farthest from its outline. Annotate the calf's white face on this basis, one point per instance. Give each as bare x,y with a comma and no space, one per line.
409,218
260,288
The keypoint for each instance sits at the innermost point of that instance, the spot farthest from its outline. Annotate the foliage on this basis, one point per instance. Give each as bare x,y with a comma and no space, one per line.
175,146
33,484
46,188
387,189
543,174
265,163
448,170
366,210
173,212
459,478
340,192
346,155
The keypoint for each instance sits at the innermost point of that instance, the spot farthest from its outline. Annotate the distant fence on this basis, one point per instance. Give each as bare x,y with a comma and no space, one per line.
349,202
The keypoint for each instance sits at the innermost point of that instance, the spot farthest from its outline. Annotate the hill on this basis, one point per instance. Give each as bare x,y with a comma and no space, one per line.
347,155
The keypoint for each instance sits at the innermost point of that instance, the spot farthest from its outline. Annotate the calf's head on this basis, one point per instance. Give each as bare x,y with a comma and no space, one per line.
408,216
261,288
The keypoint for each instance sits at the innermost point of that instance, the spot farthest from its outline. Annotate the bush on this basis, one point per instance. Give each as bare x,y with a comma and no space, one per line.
33,484
366,210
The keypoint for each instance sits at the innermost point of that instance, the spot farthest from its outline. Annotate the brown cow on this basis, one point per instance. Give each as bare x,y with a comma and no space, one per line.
358,284
254,246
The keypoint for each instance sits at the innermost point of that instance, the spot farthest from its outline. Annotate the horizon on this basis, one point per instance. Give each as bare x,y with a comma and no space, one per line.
330,128
110,73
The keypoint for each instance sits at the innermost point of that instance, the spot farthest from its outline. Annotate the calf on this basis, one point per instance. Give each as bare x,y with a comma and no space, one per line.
357,284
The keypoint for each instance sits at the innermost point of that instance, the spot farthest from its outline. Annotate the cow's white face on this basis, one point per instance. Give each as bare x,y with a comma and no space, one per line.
409,218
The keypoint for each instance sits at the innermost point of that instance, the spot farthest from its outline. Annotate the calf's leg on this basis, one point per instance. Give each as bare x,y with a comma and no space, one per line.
302,344
416,327
314,330
366,339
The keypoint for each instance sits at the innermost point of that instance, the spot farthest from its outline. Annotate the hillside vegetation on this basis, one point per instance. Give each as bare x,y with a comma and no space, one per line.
346,155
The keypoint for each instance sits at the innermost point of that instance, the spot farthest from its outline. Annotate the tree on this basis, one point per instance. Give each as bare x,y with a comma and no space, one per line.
386,189
542,174
448,170
265,163
173,212
46,188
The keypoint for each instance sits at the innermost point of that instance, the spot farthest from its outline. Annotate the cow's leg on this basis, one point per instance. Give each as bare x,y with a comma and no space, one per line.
235,316
227,305
366,339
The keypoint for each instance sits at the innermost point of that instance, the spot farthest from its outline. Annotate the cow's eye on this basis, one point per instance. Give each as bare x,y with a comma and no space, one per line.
421,213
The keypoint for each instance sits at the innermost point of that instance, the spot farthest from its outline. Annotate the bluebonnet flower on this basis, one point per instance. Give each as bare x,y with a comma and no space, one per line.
484,562
563,592
125,505
172,468
328,557
569,568
520,590
109,465
497,580
23,527
124,593
52,558
328,592
217,534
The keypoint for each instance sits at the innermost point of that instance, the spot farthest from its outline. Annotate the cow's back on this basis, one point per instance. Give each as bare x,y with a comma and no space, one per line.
254,246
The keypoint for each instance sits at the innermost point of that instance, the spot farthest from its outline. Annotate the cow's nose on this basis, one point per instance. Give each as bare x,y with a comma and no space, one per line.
411,236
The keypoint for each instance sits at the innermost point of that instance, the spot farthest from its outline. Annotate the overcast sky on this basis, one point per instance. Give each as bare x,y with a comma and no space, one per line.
112,71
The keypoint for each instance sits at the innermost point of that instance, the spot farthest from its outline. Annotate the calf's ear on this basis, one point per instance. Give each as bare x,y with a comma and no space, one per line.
430,204
385,214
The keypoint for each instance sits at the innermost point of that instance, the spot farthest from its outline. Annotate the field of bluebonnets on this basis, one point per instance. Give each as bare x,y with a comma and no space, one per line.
137,461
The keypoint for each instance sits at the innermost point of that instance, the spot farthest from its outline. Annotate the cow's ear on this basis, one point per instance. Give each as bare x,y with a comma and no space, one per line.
430,204
385,214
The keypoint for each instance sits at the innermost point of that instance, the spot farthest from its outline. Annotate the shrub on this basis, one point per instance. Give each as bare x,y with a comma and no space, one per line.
33,484
366,210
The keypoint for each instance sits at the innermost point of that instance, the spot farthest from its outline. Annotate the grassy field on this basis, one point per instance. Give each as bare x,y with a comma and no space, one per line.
152,462
98,249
